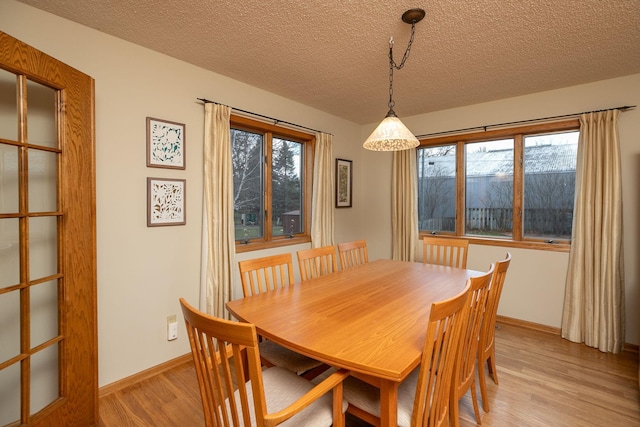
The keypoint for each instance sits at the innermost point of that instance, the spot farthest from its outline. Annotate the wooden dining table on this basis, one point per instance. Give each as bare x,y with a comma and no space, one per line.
370,319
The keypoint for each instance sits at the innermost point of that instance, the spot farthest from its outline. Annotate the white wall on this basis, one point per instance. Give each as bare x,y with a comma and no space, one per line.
143,271
534,287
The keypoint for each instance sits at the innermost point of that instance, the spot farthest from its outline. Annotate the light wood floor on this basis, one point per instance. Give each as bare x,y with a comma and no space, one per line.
544,381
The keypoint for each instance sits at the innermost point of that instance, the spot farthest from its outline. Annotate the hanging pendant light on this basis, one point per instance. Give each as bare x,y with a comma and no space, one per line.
391,134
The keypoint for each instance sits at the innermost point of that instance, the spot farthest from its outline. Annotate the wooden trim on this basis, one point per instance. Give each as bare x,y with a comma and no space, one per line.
526,324
143,375
633,348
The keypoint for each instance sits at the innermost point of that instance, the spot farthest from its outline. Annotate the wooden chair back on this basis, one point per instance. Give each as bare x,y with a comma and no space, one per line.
451,252
221,350
486,344
353,253
266,273
317,262
443,341
464,375
217,345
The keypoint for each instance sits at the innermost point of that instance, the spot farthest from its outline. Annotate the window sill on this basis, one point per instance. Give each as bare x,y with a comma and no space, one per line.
260,245
558,246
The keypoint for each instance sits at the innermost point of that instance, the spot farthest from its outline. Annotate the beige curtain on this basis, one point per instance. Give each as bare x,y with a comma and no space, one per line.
404,205
594,293
218,240
322,196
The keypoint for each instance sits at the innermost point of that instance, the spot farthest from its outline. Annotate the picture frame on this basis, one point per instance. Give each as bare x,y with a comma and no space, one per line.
344,175
166,144
166,201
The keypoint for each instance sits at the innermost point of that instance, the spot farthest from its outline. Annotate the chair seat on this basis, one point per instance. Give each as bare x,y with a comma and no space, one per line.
289,359
282,388
367,397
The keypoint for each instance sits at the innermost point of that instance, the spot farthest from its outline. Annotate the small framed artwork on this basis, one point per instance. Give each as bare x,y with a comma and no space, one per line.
166,201
344,174
165,144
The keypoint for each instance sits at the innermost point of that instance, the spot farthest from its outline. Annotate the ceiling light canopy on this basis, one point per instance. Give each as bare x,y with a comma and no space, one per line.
391,134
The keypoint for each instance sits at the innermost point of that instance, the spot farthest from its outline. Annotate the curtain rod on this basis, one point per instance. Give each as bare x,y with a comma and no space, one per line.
275,121
564,116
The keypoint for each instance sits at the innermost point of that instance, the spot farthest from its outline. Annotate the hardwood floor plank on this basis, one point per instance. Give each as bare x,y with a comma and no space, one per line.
545,381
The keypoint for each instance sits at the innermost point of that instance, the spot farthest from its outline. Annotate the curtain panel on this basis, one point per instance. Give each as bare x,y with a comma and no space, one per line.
594,307
218,235
322,219
404,205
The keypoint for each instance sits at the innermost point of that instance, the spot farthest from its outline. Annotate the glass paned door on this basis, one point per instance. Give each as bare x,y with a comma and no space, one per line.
29,242
48,345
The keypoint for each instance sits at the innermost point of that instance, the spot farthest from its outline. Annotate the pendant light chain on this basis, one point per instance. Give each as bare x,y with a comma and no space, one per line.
392,65
391,134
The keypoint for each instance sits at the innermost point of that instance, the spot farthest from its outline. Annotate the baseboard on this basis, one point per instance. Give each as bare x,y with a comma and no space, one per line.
143,375
528,325
550,329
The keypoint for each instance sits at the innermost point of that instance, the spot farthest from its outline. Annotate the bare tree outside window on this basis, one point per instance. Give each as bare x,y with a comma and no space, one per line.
248,188
437,188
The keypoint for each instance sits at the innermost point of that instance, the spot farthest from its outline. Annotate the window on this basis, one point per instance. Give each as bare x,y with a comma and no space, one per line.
508,185
272,176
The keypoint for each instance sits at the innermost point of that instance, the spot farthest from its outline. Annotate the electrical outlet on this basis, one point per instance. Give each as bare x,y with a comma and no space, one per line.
172,327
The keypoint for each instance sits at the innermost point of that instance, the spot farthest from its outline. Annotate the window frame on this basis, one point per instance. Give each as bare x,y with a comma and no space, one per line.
518,240
269,131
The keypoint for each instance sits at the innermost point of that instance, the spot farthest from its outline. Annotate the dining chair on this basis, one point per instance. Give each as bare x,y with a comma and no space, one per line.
316,262
353,253
448,251
230,394
464,372
265,274
486,345
424,396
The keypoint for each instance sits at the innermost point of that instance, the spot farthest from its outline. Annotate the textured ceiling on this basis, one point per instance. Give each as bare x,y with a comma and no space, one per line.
332,54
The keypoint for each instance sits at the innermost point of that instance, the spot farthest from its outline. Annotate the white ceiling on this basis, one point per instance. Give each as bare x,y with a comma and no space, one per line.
332,54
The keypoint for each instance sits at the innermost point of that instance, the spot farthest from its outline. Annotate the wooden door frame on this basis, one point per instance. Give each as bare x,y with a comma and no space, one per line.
78,381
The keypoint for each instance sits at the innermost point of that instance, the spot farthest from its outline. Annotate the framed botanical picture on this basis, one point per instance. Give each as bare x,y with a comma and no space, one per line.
165,144
344,174
166,202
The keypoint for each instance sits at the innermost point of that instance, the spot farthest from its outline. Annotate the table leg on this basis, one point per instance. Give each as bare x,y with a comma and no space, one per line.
389,403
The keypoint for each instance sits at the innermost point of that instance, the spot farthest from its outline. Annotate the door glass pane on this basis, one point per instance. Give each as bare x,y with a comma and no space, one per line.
286,187
8,179
41,115
10,394
43,252
8,106
10,330
44,378
43,184
489,188
549,184
437,188
9,252
248,188
44,312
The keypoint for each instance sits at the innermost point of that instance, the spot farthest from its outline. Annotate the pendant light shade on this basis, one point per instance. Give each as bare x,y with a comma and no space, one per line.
391,135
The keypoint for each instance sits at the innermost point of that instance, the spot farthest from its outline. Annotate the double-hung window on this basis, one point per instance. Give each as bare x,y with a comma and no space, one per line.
507,185
272,178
